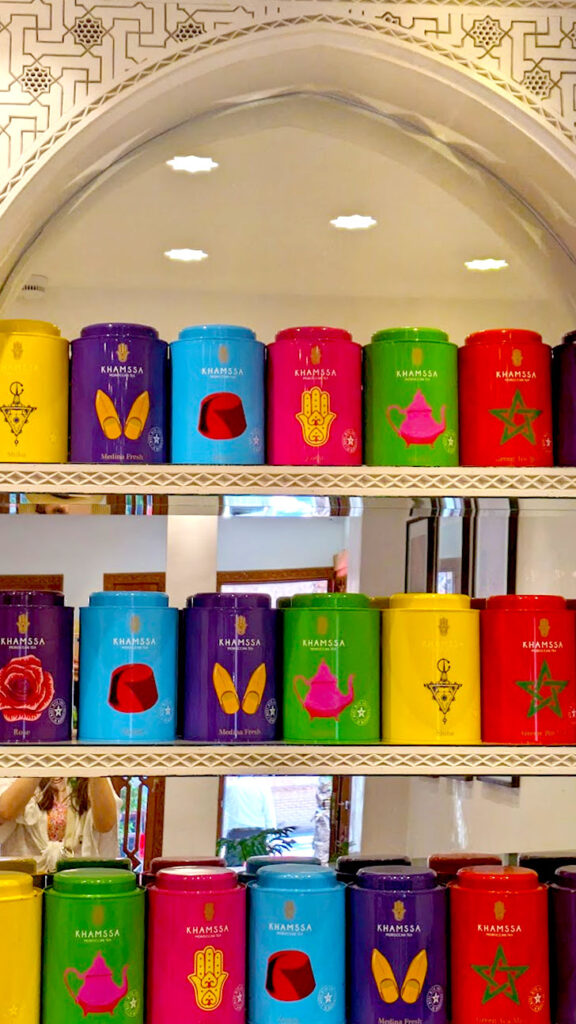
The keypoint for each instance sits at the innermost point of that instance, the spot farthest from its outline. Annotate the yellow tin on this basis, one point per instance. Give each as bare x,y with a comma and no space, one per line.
431,669
20,948
34,372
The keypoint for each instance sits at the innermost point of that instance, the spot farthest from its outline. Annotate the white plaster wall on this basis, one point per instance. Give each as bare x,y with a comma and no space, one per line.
383,547
546,561
190,817
247,542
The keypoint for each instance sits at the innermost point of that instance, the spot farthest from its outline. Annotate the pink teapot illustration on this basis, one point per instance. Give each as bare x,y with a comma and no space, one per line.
98,993
418,425
324,699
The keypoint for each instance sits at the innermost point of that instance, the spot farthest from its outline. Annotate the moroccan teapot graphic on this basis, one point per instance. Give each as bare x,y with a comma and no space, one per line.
98,992
418,425
324,699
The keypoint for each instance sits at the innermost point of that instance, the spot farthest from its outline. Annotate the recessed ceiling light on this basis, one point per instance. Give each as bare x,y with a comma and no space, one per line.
192,164
485,264
187,255
355,222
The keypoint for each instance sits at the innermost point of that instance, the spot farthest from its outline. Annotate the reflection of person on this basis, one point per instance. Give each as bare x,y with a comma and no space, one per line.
248,804
52,818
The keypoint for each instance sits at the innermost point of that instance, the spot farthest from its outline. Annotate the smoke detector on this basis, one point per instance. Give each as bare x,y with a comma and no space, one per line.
35,287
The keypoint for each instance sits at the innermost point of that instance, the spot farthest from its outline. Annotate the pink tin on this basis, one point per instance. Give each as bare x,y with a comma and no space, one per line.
196,947
314,398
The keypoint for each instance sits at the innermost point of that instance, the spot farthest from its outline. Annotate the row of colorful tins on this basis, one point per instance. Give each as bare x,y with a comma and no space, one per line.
217,395
413,668
296,944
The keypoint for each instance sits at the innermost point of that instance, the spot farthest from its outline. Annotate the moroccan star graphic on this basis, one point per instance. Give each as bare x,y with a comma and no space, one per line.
517,420
506,984
535,688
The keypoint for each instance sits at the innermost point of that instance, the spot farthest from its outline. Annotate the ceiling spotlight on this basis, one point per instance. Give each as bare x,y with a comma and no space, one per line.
485,264
355,222
192,164
187,255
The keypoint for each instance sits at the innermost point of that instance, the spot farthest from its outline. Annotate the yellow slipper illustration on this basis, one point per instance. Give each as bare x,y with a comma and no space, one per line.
136,418
225,690
415,976
255,690
384,977
107,416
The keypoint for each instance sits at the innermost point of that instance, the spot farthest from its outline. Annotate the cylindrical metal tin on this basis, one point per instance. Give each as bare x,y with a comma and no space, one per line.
563,945
411,398
159,863
314,398
505,399
34,372
528,670
36,656
331,668
348,867
254,864
196,947
546,864
447,865
20,948
564,400
230,668
431,670
118,395
128,668
217,396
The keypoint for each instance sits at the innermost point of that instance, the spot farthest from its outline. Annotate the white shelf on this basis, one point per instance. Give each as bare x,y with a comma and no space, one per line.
282,759
361,481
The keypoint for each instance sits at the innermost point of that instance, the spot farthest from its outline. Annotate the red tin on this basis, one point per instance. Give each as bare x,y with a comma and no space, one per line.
447,865
499,928
528,670
505,399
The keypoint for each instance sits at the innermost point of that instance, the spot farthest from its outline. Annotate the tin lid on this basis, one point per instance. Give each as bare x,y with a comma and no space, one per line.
431,602
160,863
68,863
497,879
331,602
400,878
94,881
447,865
196,879
25,864
565,876
217,332
568,338
229,602
29,327
31,598
120,330
14,884
501,335
415,334
313,335
254,864
310,877
546,864
128,599
526,603
380,602
350,865
284,602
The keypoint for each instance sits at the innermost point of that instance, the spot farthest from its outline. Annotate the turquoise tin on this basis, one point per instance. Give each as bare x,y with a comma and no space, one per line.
128,668
296,946
217,396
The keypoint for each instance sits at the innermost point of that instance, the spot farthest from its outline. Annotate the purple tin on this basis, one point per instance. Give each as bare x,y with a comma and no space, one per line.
563,945
230,668
36,638
397,956
118,398
564,400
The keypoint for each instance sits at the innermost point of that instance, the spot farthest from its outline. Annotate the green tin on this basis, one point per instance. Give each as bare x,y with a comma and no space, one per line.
93,947
411,398
331,668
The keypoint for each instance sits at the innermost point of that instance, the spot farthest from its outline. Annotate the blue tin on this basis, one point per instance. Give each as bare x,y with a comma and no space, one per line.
128,668
217,396
296,946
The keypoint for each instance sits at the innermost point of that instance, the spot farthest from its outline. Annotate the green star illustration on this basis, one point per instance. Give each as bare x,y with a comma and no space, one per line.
507,986
517,420
534,688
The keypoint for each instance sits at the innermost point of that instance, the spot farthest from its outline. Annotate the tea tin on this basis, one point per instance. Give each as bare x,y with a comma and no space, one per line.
34,375
296,946
20,947
36,656
431,669
505,399
93,947
447,865
411,398
499,947
258,861
118,395
331,668
159,863
314,398
564,400
347,867
528,670
230,677
546,864
128,668
196,947
217,396
397,957
563,944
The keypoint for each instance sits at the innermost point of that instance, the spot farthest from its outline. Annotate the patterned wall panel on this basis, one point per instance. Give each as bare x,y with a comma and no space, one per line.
60,58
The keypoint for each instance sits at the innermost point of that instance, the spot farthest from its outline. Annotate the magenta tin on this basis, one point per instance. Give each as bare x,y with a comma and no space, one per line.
314,398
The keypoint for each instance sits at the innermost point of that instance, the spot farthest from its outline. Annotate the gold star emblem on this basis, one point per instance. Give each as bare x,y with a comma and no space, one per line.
535,688
517,420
